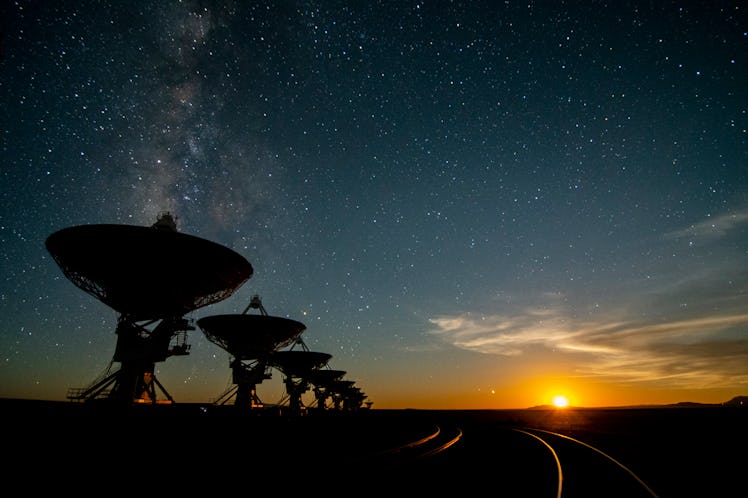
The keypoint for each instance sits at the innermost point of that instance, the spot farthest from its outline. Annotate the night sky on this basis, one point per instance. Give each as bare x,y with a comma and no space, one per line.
468,204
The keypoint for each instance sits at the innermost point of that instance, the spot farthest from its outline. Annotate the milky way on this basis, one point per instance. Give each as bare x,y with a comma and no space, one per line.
459,201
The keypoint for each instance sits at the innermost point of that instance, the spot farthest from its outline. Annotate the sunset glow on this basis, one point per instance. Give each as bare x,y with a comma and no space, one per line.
560,401
474,206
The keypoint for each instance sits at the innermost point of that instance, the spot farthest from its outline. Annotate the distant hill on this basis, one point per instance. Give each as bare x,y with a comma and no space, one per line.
738,401
688,404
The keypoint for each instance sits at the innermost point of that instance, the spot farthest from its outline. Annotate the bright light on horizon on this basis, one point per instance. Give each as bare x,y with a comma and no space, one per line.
560,401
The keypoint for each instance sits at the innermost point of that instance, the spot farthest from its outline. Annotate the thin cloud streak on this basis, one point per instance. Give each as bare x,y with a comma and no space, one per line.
684,328
718,226
683,353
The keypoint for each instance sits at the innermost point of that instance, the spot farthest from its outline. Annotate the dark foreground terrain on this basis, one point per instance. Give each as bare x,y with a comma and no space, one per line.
94,449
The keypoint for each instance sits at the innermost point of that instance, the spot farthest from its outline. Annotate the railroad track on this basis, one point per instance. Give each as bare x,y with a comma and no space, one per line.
521,462
435,443
583,470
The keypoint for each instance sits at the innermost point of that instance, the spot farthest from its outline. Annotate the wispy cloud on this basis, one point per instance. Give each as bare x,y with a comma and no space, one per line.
685,327
502,334
713,227
692,353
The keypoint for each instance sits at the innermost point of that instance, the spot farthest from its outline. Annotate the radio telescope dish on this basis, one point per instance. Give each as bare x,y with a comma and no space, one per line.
345,395
299,363
341,386
250,340
147,272
151,276
322,377
250,336
297,366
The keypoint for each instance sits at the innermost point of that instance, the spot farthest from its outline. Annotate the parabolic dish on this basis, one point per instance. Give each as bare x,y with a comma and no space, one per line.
146,272
249,337
299,363
324,376
341,386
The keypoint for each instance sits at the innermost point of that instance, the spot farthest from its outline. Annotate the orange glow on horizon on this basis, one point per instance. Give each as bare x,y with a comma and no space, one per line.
552,391
560,401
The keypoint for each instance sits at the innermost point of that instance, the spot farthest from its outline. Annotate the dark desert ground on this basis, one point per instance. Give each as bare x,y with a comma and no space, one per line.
678,450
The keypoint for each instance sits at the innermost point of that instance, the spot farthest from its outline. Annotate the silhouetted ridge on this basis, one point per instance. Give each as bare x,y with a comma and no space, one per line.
739,401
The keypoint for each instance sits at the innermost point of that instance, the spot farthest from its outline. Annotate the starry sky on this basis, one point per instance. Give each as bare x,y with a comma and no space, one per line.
468,204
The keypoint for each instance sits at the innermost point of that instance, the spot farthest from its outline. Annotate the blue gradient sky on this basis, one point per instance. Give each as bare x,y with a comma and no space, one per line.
476,206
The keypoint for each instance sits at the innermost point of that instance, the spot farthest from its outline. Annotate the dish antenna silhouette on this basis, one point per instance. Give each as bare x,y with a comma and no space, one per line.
298,366
345,395
322,379
250,340
152,276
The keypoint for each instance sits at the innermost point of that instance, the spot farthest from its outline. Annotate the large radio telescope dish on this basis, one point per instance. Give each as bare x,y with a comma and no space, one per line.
249,337
299,363
341,386
323,377
147,272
